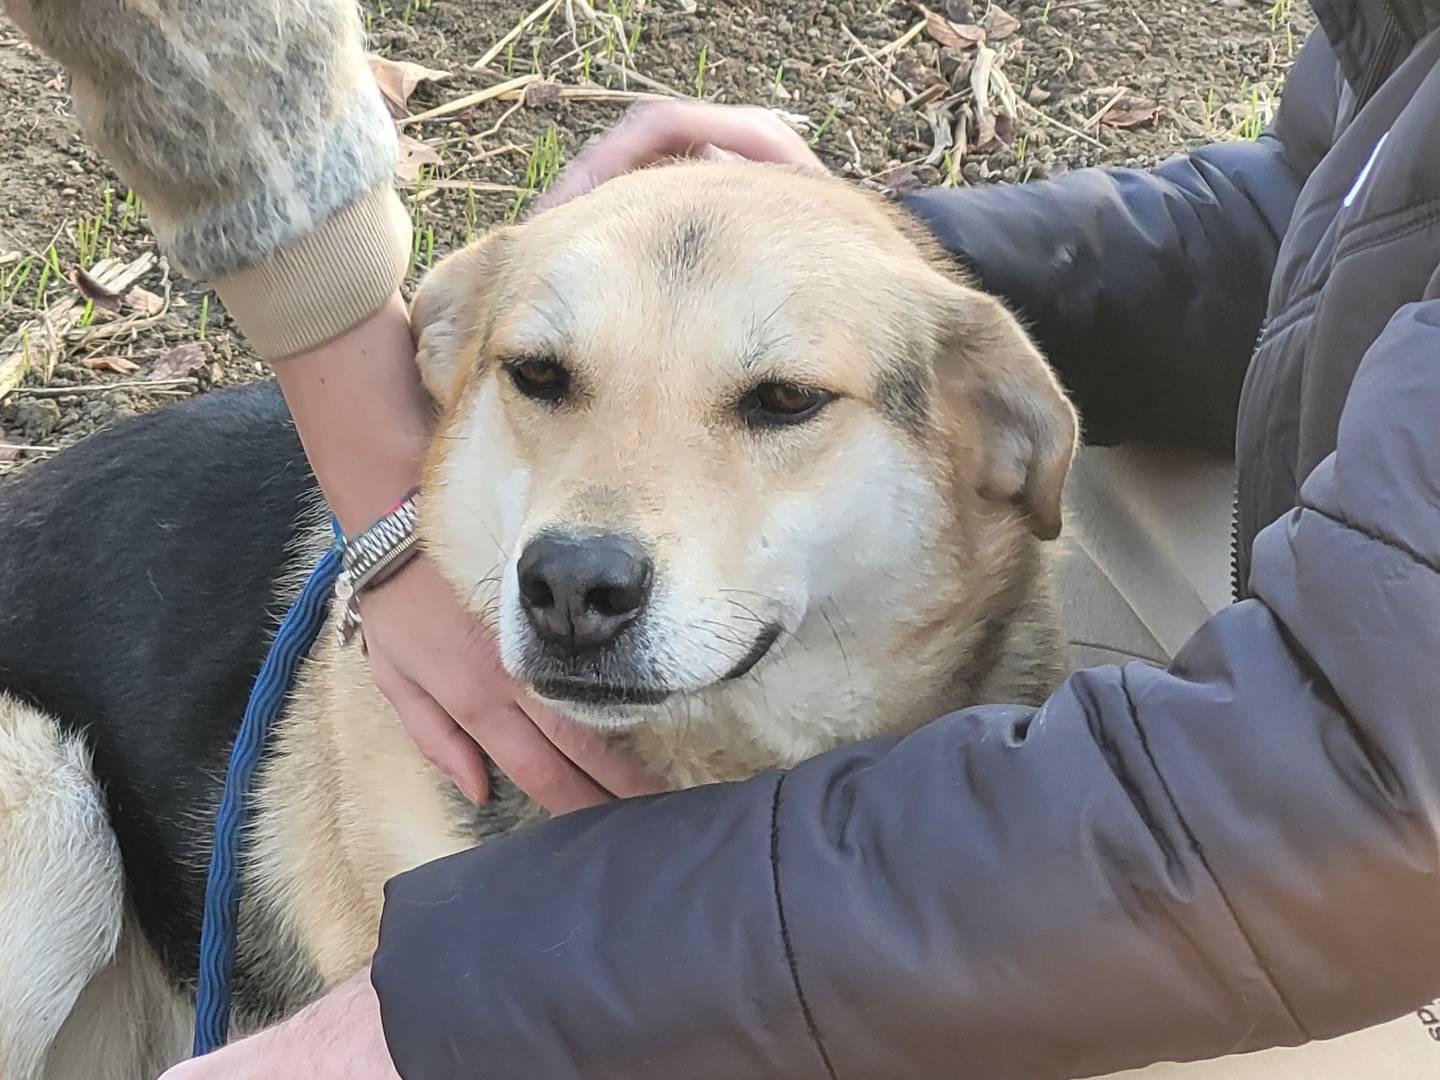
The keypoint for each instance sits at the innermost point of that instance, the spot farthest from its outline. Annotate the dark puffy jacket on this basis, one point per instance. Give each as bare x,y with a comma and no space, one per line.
1235,853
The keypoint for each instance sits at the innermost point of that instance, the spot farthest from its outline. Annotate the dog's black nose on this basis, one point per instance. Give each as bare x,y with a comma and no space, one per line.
580,591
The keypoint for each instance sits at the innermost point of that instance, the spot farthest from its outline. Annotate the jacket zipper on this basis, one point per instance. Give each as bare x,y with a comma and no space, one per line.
1237,593
1382,65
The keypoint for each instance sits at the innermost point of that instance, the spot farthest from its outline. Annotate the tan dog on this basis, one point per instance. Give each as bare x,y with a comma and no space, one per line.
739,470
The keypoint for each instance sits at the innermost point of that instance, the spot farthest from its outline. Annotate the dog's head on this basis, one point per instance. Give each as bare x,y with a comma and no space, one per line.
710,423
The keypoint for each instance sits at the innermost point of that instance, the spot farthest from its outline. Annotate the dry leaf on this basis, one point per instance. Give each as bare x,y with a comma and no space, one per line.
179,362
542,94
999,24
1131,112
900,181
910,70
144,301
117,364
101,296
57,83
398,79
951,34
1005,128
413,155
984,140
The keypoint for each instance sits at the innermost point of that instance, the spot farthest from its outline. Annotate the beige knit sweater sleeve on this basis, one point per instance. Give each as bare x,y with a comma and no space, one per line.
259,141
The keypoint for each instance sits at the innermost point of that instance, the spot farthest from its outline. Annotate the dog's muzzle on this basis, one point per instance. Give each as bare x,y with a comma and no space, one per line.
584,595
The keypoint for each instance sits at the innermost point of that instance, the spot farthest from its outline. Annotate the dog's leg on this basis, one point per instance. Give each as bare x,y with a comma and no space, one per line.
129,1024
61,884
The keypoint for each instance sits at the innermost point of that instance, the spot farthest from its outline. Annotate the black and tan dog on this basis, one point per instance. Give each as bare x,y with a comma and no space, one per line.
736,467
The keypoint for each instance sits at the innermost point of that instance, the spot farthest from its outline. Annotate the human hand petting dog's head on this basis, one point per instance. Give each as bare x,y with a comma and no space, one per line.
656,131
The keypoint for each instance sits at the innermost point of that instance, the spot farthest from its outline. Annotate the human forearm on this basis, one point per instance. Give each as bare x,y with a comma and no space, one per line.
362,414
1144,288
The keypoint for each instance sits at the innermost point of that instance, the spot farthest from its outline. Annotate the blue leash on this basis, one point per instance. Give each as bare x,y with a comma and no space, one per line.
293,641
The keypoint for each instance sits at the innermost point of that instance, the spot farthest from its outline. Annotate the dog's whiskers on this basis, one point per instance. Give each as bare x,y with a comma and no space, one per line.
724,633
844,656
491,577
749,612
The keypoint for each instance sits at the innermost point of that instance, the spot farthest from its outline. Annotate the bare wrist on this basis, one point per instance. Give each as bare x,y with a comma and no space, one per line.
362,415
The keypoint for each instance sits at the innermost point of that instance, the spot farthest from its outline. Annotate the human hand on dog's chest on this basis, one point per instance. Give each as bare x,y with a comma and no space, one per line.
439,667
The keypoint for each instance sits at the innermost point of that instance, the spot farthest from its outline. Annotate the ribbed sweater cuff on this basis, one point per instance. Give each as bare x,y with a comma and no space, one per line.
323,284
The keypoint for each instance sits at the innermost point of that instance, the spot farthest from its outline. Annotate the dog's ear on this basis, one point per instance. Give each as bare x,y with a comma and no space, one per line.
453,308
990,373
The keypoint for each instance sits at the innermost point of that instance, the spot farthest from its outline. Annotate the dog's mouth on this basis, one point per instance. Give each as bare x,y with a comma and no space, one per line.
590,692
757,652
594,692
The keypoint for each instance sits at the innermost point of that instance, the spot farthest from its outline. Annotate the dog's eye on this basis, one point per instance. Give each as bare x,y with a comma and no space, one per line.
539,378
774,403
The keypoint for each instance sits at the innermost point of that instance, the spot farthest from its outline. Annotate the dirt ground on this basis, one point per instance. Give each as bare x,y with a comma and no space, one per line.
886,92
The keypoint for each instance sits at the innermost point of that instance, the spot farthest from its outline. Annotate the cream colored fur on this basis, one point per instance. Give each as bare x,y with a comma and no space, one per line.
61,884
129,1022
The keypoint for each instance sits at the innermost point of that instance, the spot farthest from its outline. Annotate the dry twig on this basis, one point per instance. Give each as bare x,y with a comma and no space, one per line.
592,93
494,129
27,448
515,31
101,387
854,149
434,187
1099,114
1046,118
634,76
875,60
884,50
479,97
